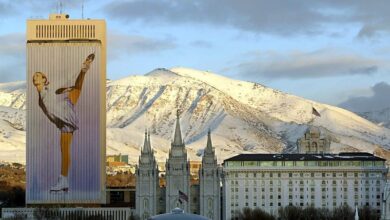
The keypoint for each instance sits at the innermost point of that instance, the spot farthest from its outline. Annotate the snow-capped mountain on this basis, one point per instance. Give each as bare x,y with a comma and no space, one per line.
380,117
242,116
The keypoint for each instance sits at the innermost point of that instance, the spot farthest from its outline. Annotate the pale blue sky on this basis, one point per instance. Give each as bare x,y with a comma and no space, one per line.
327,51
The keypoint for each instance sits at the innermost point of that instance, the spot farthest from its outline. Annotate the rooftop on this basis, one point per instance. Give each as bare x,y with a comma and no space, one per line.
348,156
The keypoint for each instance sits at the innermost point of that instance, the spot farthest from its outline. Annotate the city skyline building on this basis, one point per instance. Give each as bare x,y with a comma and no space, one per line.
66,110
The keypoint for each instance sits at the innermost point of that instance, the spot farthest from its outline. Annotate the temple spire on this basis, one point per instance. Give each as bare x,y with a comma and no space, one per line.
145,149
149,144
177,140
209,146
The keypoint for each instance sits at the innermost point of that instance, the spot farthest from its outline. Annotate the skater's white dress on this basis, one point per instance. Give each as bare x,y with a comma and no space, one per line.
59,109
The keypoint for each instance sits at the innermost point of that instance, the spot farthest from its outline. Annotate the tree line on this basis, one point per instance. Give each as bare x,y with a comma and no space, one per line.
298,213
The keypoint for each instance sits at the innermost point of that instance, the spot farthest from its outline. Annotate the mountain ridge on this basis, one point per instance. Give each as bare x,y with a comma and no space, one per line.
244,117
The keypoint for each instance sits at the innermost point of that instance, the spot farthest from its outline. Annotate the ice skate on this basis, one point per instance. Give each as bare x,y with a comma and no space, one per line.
87,62
61,186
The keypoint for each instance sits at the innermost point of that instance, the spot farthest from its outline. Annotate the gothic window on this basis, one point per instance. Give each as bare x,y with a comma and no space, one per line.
308,147
210,202
315,148
146,204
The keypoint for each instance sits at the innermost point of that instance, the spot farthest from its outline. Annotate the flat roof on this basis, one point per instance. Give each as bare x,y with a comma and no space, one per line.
347,156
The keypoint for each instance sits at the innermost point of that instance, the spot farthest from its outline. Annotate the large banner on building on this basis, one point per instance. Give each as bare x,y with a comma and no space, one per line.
65,123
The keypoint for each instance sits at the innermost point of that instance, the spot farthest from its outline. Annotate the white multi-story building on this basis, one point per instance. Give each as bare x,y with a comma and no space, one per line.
385,215
147,182
271,181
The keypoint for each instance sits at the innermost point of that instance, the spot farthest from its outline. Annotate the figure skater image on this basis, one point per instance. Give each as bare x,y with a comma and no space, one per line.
58,106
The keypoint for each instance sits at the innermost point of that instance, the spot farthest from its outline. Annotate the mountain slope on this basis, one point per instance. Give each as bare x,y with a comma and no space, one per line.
380,117
243,116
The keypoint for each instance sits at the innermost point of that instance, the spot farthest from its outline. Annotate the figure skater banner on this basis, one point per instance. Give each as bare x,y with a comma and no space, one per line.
64,123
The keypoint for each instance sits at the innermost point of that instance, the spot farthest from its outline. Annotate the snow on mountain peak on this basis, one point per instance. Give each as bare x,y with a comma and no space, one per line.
243,116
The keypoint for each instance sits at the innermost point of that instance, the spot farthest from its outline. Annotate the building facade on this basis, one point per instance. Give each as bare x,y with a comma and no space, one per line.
177,173
314,142
385,215
210,179
200,189
147,182
65,110
271,181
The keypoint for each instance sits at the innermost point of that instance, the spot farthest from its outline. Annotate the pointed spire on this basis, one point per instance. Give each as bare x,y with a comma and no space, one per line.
209,146
177,140
146,143
149,144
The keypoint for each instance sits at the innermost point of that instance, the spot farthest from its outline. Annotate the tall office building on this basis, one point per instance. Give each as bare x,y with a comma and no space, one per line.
66,115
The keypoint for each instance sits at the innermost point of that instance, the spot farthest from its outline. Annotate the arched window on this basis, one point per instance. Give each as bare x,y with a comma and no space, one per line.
314,147
146,204
210,203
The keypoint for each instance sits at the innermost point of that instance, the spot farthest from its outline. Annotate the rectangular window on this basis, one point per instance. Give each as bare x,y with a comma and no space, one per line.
323,163
250,163
266,163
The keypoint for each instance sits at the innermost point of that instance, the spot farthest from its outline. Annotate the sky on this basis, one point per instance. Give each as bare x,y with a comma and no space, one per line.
331,51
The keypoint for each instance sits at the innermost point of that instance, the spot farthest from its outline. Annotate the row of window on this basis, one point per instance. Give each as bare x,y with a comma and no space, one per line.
325,204
302,189
304,163
302,182
307,197
301,174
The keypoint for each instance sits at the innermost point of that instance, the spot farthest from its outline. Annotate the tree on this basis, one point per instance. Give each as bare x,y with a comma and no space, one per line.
367,213
290,213
343,213
252,214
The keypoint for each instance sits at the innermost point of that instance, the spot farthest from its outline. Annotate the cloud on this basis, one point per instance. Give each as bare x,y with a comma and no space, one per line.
12,45
298,64
281,17
378,101
12,56
121,44
6,9
10,8
13,70
48,4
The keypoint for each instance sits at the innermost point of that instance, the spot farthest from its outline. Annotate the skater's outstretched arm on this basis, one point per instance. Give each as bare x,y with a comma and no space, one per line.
74,91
